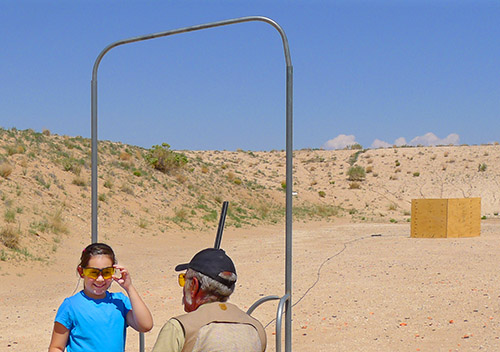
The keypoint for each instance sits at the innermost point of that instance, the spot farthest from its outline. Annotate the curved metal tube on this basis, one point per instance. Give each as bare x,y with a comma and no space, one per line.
261,301
279,315
289,143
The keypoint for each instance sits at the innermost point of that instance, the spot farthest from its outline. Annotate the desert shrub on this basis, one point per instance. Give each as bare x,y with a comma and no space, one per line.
482,167
181,178
165,160
180,215
46,132
354,157
237,181
10,237
416,174
79,181
14,149
56,223
314,211
73,165
10,215
41,181
143,223
354,185
283,185
127,189
356,173
125,156
369,169
108,183
322,194
5,169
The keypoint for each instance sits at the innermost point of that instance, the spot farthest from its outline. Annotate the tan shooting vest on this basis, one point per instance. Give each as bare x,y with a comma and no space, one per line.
216,312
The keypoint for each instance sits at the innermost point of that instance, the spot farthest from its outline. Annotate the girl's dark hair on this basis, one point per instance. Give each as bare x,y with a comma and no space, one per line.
96,249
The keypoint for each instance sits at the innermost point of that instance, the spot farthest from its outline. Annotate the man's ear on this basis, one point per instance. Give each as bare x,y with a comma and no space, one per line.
80,270
195,286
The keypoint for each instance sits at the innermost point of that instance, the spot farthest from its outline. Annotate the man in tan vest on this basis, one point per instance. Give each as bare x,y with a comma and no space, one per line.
211,324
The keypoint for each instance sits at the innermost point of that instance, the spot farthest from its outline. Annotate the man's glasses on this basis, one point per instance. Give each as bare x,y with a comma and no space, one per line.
94,273
182,279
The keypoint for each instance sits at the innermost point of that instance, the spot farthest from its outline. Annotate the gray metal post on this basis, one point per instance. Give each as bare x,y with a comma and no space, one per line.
289,144
94,158
289,207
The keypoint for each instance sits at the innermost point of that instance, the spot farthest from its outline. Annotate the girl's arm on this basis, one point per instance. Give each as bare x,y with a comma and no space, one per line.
139,317
59,338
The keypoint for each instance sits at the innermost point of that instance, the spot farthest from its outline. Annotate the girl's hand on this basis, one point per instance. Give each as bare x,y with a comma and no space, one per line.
124,280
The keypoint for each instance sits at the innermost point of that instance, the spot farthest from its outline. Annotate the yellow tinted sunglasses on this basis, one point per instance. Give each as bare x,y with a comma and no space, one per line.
94,273
182,279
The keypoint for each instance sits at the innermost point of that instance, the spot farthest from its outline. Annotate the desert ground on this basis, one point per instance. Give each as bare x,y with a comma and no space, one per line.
360,282
352,291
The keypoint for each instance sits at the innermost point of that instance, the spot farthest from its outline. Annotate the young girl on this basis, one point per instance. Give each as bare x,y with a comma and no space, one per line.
95,319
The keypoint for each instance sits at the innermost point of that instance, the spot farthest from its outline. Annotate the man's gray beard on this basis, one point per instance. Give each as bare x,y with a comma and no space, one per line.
188,299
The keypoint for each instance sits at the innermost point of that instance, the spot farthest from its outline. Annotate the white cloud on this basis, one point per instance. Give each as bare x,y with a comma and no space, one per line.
400,141
430,138
340,142
377,143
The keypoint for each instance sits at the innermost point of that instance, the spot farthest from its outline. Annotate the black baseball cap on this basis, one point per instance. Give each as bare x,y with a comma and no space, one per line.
211,262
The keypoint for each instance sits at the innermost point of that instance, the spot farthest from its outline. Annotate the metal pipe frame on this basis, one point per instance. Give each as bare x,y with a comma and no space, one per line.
289,143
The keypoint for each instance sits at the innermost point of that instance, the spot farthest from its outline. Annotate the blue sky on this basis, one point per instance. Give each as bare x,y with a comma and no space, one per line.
376,73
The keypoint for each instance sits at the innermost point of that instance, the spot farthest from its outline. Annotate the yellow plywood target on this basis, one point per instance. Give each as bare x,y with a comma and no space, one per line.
441,218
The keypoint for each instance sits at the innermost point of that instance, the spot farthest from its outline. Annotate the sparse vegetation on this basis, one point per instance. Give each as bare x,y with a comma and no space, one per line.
356,173
10,237
10,215
354,185
189,195
165,160
5,169
79,181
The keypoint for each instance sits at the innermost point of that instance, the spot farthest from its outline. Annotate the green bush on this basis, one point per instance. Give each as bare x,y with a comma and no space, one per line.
165,160
356,173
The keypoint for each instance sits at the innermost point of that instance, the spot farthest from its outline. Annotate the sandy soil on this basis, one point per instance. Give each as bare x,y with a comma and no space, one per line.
356,286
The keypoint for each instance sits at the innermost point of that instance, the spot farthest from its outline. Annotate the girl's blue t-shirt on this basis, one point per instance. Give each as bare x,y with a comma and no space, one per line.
95,324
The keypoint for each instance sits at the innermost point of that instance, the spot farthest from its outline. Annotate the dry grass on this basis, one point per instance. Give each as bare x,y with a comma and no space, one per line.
10,237
5,169
56,222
